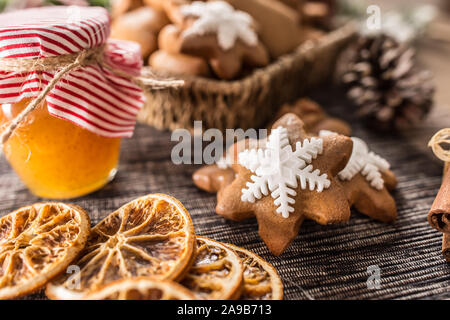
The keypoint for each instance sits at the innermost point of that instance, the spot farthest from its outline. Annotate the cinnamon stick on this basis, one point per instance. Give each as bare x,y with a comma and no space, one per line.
446,246
446,236
439,215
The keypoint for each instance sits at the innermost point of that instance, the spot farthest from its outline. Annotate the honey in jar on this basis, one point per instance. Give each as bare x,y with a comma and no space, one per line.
56,158
75,91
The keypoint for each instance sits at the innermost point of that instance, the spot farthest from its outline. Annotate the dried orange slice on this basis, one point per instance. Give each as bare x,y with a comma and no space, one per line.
37,243
142,289
261,280
152,236
216,273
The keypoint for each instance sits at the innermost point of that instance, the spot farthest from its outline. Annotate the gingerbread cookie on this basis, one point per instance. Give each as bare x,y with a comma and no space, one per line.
294,4
142,26
314,117
213,178
172,10
155,4
367,181
290,179
224,36
279,25
169,39
119,7
176,63
318,13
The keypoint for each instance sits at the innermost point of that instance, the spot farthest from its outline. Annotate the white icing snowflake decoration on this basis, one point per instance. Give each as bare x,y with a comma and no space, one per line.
226,162
278,168
218,17
363,161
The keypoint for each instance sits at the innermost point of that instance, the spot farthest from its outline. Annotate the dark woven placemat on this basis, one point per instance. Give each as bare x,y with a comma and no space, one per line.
324,262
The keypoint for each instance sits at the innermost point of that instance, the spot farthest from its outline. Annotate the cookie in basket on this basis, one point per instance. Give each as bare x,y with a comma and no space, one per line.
279,25
318,13
291,179
172,9
120,7
142,26
156,4
227,38
168,58
169,39
178,63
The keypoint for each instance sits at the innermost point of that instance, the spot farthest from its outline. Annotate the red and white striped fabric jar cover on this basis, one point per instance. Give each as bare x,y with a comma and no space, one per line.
92,96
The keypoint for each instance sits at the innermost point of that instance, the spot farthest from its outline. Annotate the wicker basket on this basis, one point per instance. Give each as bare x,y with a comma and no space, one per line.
251,101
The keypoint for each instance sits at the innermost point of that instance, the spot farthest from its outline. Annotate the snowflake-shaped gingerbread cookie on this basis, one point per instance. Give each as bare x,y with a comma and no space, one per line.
288,179
363,161
219,17
279,169
367,181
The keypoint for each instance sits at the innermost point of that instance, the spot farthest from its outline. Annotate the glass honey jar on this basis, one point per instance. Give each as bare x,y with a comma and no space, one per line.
70,91
55,158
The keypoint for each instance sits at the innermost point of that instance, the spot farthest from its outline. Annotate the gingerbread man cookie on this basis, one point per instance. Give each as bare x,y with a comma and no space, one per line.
221,34
367,181
288,179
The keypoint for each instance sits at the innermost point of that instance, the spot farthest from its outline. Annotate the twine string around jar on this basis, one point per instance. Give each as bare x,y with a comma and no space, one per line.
65,64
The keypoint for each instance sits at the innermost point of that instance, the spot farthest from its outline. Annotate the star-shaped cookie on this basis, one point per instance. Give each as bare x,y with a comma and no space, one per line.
313,192
367,181
376,204
215,31
212,178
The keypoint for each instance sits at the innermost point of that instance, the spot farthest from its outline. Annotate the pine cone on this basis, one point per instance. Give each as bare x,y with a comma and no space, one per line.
385,84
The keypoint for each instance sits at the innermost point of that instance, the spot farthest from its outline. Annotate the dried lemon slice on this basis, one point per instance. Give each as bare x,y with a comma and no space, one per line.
37,243
261,280
216,273
142,289
152,236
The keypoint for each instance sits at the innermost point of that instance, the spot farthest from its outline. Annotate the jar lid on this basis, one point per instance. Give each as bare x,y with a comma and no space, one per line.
93,96
52,31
